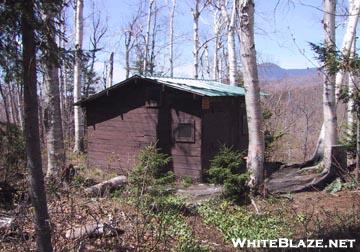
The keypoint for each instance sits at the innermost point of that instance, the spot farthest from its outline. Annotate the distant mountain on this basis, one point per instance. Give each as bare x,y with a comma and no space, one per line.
271,72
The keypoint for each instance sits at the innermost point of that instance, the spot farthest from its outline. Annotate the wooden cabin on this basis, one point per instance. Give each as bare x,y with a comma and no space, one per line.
189,119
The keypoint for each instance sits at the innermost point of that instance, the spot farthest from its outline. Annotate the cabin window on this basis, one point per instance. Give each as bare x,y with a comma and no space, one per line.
185,132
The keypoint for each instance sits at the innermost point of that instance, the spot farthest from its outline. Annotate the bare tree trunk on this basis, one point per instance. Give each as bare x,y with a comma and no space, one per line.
196,15
41,112
13,110
330,120
255,159
53,123
33,152
111,63
357,169
63,80
351,90
354,12
151,64
127,60
6,108
231,42
217,21
207,61
225,66
307,120
78,120
348,37
20,107
147,38
231,47
171,39
221,68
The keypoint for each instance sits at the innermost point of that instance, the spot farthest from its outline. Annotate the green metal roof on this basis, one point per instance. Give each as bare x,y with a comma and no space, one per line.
201,87
196,86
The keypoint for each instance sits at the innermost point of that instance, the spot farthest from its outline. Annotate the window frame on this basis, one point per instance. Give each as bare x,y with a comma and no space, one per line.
180,139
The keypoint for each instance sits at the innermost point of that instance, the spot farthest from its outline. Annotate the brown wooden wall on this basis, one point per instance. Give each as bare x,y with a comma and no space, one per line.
121,124
223,124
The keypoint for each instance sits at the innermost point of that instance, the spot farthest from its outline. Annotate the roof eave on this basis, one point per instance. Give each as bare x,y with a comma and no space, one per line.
105,91
85,101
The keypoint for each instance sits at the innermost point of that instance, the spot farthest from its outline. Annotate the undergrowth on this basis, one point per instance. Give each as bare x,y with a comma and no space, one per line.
186,240
228,168
159,211
236,222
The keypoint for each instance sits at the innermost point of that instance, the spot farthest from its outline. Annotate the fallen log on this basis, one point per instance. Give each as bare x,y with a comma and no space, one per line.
5,223
105,186
93,230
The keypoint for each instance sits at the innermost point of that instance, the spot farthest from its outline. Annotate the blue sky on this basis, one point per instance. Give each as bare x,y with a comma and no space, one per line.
281,36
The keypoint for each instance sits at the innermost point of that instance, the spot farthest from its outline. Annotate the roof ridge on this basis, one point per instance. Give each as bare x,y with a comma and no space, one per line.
179,78
196,86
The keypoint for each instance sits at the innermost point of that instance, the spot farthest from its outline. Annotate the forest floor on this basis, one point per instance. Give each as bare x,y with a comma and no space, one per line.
301,215
182,224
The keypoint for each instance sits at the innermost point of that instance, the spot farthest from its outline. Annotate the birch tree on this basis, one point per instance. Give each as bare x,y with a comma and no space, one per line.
111,69
31,122
79,130
217,42
66,112
354,12
147,37
329,109
171,38
6,106
131,32
351,90
53,122
255,158
230,24
345,50
151,61
196,11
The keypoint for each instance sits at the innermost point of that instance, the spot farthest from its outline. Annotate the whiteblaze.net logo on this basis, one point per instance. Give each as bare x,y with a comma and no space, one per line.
288,243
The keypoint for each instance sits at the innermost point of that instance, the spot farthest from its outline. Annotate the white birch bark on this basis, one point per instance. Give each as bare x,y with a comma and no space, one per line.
230,20
196,15
217,21
111,69
147,38
255,158
78,121
151,62
207,61
348,37
221,68
53,122
20,107
127,56
171,38
329,109
351,90
63,80
354,12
